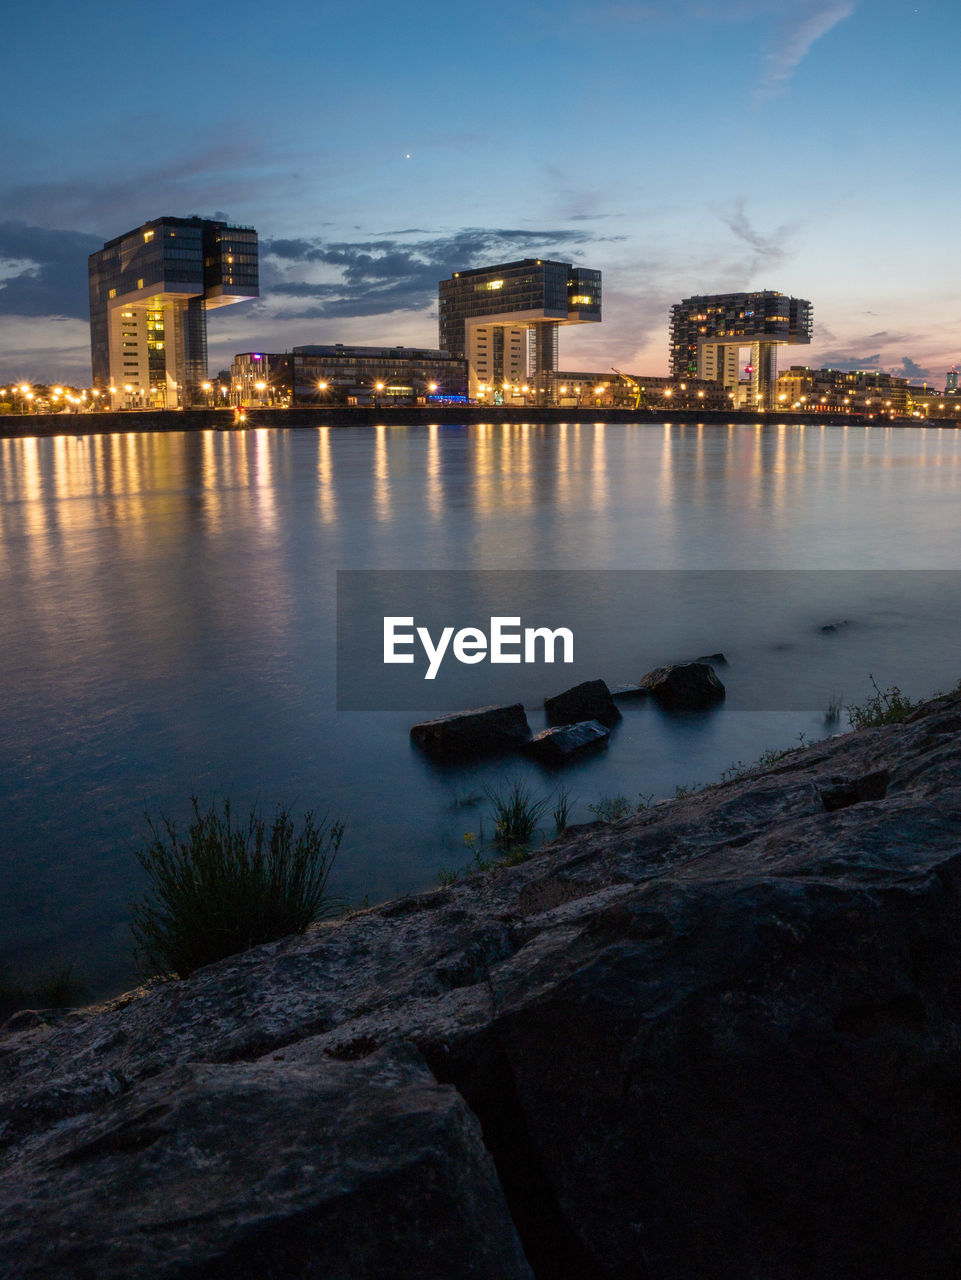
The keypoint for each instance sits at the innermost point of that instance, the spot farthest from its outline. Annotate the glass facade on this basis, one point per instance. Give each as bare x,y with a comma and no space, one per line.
149,291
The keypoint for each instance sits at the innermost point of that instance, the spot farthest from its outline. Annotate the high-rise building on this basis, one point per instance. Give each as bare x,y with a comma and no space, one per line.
951,382
150,291
708,332
503,321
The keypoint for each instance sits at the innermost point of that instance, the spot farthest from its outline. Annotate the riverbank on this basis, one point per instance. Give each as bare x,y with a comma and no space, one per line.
311,417
582,1066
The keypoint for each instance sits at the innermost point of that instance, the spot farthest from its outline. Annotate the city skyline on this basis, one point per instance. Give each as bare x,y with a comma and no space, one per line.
681,149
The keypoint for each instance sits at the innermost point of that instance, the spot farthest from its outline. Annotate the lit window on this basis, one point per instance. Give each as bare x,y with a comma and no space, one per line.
147,237
113,293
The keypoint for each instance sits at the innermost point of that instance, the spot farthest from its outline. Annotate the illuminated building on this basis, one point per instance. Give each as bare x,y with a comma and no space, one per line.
709,331
259,376
503,321
867,391
150,291
951,382
338,373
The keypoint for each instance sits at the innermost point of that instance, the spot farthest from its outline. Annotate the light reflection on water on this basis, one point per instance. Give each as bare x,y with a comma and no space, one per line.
166,622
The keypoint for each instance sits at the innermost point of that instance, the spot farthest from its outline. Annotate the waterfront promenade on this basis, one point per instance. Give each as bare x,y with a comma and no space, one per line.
13,426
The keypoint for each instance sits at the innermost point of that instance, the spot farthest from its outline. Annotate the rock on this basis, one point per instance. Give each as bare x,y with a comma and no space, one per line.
280,1167
468,733
22,1020
717,1040
714,660
687,686
830,628
588,701
566,742
840,793
628,691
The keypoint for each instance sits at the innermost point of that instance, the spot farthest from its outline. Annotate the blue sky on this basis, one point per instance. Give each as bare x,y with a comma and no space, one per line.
682,146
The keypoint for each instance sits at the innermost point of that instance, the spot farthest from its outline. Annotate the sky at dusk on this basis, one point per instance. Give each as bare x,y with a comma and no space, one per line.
681,146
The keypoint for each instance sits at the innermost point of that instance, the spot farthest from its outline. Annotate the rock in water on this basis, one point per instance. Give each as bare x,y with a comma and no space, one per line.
687,686
468,733
588,701
565,742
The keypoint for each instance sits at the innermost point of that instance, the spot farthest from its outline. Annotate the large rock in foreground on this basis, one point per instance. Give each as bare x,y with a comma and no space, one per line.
292,1165
719,1040
467,733
687,686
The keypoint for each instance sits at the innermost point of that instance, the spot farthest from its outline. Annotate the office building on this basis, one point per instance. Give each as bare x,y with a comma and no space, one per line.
708,333
150,291
341,374
504,320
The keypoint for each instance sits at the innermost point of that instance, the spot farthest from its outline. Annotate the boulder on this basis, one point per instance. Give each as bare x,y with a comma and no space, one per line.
282,1167
588,701
468,733
686,686
566,742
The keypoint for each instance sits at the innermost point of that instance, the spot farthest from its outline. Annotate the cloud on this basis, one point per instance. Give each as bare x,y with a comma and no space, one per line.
793,44
768,249
914,372
789,44
222,172
45,271
370,277
846,361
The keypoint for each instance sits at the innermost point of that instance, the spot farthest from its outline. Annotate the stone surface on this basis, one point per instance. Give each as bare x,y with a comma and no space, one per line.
713,660
720,1040
564,743
686,686
619,691
590,700
277,1167
466,733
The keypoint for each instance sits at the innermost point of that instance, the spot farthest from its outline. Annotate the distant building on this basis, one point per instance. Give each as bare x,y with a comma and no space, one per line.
618,390
951,382
150,291
260,376
342,374
708,332
867,391
503,321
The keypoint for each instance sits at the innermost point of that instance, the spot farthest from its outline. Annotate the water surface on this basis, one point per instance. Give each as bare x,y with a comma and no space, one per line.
167,624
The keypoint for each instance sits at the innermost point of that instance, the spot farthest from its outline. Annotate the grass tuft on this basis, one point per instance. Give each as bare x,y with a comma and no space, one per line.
229,885
516,814
887,706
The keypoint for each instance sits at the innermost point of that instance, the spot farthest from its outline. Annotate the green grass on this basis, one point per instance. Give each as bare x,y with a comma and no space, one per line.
228,885
516,814
562,810
886,706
